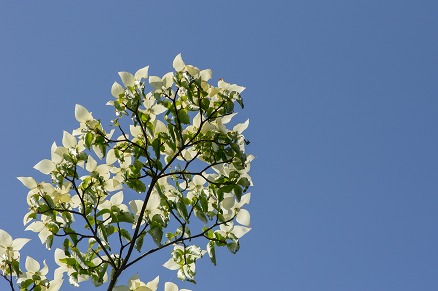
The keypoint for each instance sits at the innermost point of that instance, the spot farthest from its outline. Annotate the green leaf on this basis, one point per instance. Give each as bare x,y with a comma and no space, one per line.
220,240
182,209
158,219
156,144
227,188
67,217
211,252
156,231
136,185
125,217
240,100
71,262
102,212
171,129
66,246
72,234
244,182
98,275
49,242
184,118
26,284
230,107
204,202
238,192
49,201
205,103
200,214
233,247
139,242
89,140
73,278
101,231
16,267
125,234
76,254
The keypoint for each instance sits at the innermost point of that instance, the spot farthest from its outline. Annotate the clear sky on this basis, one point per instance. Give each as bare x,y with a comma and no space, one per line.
343,104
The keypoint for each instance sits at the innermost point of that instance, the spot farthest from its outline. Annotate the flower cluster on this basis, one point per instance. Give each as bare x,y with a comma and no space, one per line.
34,278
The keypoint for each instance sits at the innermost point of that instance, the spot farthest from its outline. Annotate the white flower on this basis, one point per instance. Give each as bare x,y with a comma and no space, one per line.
161,83
33,270
195,186
169,286
9,248
136,285
64,268
152,108
129,80
152,208
183,259
115,201
180,66
230,207
230,87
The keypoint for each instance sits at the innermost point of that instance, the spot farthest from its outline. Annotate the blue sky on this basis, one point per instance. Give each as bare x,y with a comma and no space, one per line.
342,99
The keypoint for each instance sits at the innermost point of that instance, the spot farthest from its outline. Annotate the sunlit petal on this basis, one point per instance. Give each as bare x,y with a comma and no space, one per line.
127,79
45,166
142,73
82,114
178,63
117,89
29,182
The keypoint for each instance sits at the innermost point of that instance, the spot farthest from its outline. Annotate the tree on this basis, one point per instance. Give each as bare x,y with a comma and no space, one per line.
170,155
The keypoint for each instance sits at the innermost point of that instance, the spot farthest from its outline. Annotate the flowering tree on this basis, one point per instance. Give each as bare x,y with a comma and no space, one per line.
169,175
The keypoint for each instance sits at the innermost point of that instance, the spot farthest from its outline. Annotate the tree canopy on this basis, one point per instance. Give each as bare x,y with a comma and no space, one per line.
171,173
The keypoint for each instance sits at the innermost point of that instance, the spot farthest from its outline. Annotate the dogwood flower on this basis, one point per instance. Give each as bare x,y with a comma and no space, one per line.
194,187
169,286
183,259
115,201
180,66
231,207
230,87
9,248
129,80
136,285
151,208
65,268
33,271
152,109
